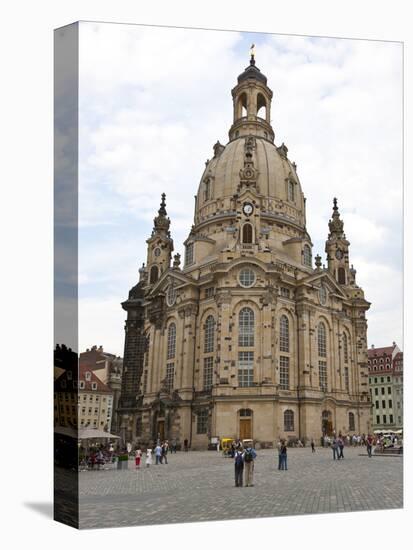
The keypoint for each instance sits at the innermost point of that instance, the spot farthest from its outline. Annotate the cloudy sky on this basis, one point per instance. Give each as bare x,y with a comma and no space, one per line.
153,101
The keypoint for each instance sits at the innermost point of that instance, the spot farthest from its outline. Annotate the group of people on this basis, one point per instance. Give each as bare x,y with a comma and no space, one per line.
244,464
161,454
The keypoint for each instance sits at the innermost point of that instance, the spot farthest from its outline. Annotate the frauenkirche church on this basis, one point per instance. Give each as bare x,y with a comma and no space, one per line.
247,338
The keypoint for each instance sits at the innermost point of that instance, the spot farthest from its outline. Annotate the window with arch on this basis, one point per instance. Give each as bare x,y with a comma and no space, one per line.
242,106
207,190
209,334
189,254
345,348
322,339
288,420
154,274
307,255
291,191
341,276
246,328
247,233
284,334
171,348
351,423
261,107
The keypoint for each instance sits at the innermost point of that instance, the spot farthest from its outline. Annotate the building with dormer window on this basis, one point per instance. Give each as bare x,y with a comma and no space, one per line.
247,338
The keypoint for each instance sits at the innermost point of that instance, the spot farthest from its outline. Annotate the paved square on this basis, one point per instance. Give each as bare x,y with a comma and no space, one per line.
199,486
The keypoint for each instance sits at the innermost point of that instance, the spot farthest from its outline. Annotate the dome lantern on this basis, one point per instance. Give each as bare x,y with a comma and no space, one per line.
252,104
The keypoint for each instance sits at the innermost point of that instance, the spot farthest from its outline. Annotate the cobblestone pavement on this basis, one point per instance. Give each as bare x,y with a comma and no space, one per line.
199,486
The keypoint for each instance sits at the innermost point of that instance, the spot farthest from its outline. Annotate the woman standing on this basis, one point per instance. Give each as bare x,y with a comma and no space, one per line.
148,460
138,456
283,453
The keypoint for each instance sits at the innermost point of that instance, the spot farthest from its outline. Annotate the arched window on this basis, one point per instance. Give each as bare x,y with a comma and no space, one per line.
209,334
246,327
322,340
291,191
261,107
288,420
345,348
307,255
242,106
351,424
247,233
341,276
171,341
207,190
154,274
284,334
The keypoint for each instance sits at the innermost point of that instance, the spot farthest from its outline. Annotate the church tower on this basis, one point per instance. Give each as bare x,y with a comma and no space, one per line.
337,249
160,245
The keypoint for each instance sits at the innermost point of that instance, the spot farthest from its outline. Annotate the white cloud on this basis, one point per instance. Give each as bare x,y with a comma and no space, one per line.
154,100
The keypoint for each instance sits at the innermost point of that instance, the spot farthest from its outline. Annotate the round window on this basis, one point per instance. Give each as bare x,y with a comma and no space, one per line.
322,294
247,277
170,295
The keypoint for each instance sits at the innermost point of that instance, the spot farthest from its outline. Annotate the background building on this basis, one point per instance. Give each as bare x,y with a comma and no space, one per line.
386,387
108,368
247,339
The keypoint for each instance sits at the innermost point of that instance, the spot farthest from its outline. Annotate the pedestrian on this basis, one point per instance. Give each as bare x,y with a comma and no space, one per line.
148,460
138,456
312,446
279,445
249,456
158,454
165,448
340,448
185,445
283,454
173,446
218,442
239,467
369,443
334,447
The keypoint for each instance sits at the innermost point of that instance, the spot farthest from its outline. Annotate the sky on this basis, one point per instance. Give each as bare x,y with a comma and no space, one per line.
153,101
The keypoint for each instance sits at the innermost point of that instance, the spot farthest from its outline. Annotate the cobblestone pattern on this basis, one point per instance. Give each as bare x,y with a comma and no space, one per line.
199,486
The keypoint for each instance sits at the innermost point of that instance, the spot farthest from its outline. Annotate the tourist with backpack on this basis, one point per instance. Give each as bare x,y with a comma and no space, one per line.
239,467
249,457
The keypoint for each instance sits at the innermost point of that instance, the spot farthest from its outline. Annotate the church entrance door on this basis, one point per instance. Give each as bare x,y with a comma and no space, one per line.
161,429
245,428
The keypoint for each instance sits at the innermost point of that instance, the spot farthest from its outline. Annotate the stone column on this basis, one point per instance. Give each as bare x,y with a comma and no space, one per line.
189,315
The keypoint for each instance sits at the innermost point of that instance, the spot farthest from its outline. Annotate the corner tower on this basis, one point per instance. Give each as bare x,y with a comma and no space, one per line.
160,245
337,249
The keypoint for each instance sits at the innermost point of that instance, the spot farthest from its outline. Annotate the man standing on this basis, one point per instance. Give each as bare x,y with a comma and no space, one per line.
340,447
369,443
239,467
158,454
249,457
283,454
279,445
312,446
334,447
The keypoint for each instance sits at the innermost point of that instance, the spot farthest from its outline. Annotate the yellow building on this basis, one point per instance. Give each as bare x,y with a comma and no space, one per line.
247,339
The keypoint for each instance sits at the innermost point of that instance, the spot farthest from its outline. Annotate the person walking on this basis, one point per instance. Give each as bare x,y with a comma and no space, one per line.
334,447
165,448
340,448
279,445
249,456
218,443
158,454
138,456
239,467
312,445
283,453
369,443
185,445
148,460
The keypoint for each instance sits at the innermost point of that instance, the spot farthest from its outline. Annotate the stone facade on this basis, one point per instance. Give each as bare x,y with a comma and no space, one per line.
247,339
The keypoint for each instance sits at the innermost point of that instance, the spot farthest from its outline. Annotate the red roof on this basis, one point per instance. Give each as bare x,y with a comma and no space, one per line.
377,352
65,384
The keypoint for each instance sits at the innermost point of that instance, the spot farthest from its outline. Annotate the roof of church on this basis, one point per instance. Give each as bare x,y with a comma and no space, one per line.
252,72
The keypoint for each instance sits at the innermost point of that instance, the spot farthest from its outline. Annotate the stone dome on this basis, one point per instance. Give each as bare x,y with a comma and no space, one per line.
274,174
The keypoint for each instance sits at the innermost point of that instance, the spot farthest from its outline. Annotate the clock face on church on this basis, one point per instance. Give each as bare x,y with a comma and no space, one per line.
248,209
